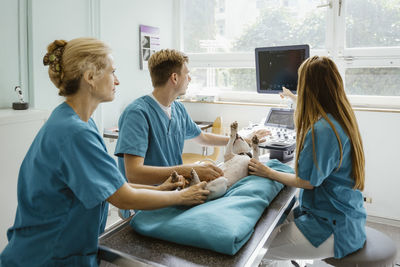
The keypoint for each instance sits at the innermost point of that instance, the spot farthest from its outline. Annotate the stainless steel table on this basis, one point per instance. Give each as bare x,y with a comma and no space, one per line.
122,246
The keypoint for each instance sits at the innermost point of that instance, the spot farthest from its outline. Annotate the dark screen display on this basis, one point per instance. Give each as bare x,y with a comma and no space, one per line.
278,66
281,119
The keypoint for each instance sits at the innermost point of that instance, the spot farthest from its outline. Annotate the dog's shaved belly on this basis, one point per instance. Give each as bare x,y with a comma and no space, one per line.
236,168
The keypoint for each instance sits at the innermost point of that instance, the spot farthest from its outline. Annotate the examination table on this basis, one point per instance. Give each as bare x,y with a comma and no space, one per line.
122,246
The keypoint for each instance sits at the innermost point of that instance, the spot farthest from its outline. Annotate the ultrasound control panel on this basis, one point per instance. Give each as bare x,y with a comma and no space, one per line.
279,137
282,141
281,125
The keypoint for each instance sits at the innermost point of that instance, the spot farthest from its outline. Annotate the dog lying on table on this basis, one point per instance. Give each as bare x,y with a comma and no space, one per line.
235,166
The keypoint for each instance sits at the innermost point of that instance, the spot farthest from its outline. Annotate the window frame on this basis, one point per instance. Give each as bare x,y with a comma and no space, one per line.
335,47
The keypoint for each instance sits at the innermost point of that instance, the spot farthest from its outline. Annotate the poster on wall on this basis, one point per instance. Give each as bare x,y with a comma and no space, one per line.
149,43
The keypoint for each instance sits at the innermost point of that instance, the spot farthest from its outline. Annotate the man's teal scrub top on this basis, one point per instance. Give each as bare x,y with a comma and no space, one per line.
146,131
333,206
63,183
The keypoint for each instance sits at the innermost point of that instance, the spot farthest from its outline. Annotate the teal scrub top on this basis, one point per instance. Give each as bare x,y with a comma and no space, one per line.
146,131
333,206
63,183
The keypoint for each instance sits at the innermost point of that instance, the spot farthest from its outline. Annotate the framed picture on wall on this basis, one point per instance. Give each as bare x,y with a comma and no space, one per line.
149,43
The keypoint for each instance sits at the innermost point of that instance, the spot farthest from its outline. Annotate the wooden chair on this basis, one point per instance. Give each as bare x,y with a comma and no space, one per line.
189,158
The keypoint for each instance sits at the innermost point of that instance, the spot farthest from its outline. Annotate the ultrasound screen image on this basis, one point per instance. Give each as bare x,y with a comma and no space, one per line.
278,66
281,118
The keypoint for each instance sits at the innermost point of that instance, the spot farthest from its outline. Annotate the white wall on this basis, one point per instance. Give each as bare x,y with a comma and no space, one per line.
17,131
379,131
120,22
51,20
9,53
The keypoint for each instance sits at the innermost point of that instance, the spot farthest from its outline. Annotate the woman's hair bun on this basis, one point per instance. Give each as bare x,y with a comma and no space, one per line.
53,57
67,62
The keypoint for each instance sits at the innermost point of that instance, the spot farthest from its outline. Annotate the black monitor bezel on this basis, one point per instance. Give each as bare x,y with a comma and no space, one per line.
305,47
284,110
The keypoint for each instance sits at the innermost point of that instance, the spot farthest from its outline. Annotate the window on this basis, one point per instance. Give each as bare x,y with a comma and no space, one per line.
372,23
223,79
373,81
251,23
361,36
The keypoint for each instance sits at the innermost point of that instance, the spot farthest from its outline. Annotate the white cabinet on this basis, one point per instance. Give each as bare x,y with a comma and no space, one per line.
17,131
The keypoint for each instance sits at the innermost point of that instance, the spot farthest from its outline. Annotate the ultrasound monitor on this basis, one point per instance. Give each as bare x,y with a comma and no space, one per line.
277,66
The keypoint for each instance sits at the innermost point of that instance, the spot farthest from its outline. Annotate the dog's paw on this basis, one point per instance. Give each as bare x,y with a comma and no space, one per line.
195,177
234,125
255,140
174,176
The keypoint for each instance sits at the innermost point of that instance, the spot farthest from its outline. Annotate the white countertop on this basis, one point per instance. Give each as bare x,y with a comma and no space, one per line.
9,116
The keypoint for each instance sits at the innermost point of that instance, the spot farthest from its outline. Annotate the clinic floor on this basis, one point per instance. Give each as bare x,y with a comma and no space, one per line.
392,231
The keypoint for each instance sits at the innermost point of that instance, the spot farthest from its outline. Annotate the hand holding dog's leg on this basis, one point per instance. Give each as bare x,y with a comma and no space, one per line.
257,168
195,194
175,181
207,172
261,135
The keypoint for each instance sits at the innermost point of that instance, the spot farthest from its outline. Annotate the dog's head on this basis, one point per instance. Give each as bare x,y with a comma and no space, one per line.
240,146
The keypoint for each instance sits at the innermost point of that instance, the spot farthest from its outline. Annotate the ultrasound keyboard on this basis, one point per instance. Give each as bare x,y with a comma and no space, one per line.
282,141
281,137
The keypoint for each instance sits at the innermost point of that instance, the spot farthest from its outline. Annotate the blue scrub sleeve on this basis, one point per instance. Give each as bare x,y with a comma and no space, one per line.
192,129
88,170
327,155
133,134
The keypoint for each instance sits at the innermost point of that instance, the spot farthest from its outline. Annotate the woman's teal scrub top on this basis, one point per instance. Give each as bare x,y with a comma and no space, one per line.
63,183
333,206
146,131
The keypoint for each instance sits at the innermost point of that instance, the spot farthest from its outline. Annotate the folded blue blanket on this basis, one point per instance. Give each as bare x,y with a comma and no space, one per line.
223,225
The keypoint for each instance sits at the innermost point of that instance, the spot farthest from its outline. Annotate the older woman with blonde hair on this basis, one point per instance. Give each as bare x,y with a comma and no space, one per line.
329,169
67,176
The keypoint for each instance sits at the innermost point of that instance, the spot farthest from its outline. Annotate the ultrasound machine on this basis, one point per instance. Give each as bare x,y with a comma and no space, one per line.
282,141
277,67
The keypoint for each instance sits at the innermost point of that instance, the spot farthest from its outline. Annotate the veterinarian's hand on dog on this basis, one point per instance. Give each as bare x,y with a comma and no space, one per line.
259,169
196,194
260,133
208,172
168,185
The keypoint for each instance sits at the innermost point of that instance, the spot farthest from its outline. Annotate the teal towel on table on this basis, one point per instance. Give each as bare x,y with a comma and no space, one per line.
223,225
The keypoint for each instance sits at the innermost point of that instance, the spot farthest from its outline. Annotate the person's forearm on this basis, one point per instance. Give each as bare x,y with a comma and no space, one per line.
144,199
210,139
151,175
150,199
148,175
143,186
289,179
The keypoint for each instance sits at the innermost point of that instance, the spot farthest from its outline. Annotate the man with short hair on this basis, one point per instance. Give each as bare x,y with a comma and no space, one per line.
153,128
